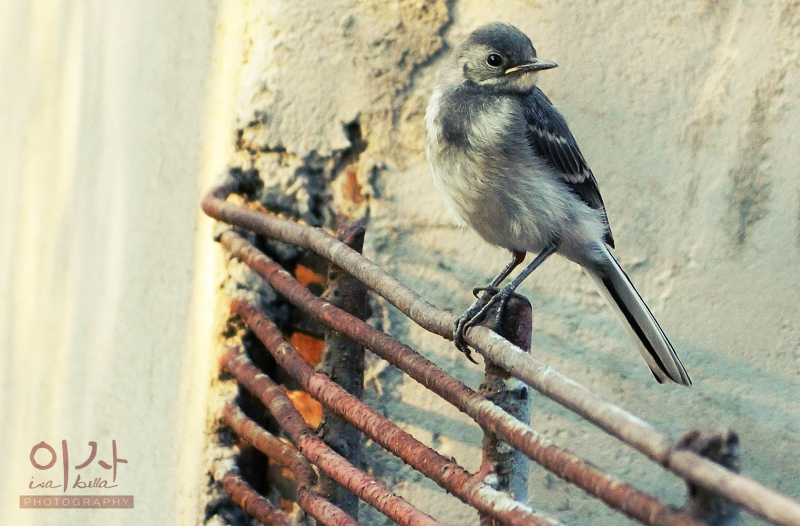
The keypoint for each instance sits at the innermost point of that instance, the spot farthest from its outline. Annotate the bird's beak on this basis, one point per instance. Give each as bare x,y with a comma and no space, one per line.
538,64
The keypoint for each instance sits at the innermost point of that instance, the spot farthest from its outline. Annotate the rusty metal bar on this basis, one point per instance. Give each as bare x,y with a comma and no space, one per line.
445,472
275,449
315,450
325,512
508,466
721,446
740,490
343,362
611,491
311,501
250,501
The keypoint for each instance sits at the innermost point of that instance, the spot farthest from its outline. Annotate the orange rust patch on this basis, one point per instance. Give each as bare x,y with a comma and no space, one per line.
310,409
307,276
351,188
310,348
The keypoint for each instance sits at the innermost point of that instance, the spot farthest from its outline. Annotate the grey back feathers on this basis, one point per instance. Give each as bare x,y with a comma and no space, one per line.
550,136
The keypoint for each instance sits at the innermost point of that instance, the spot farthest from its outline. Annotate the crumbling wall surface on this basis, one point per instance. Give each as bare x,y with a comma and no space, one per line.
686,111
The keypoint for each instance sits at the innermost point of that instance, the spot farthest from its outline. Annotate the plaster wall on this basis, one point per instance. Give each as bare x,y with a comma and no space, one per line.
114,119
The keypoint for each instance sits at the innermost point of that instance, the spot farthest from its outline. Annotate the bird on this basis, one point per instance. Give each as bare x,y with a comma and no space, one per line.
508,167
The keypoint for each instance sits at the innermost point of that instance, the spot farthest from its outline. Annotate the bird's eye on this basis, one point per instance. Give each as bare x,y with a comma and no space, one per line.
494,60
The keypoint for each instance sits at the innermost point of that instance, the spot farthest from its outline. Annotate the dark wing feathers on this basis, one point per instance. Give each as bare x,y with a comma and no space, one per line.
549,135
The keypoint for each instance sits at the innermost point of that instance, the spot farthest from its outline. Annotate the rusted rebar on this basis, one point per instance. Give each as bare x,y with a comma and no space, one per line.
443,471
740,490
250,501
312,502
505,466
722,447
343,362
315,450
612,492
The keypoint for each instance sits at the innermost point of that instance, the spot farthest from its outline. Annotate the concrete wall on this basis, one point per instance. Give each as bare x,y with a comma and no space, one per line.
114,118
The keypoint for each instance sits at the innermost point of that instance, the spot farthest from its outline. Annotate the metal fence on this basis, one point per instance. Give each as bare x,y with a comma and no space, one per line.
706,461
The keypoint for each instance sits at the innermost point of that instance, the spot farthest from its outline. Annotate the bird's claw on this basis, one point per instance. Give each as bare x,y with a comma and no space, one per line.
488,289
475,314
458,336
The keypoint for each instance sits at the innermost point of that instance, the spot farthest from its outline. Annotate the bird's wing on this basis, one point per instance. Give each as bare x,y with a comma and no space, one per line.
549,135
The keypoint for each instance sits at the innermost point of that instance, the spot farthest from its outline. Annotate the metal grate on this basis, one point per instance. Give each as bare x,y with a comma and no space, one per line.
715,492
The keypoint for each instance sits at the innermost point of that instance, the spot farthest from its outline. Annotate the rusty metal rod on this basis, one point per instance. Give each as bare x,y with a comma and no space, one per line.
268,444
250,501
315,450
614,493
445,472
507,465
740,490
343,362
324,511
312,502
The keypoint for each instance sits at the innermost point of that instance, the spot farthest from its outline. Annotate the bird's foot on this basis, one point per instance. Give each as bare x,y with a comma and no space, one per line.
476,313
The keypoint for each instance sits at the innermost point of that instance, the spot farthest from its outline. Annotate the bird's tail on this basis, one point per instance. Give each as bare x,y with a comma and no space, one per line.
619,292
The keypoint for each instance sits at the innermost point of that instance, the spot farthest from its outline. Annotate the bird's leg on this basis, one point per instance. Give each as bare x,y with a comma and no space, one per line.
468,317
511,287
517,257
506,292
483,304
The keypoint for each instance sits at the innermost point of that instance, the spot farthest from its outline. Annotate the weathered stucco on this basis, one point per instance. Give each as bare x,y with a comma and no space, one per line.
114,119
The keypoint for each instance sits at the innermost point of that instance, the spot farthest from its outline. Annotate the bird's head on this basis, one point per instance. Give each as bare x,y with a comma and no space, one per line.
499,56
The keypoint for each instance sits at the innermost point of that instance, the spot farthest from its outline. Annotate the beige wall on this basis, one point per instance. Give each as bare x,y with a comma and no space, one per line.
115,116
107,139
